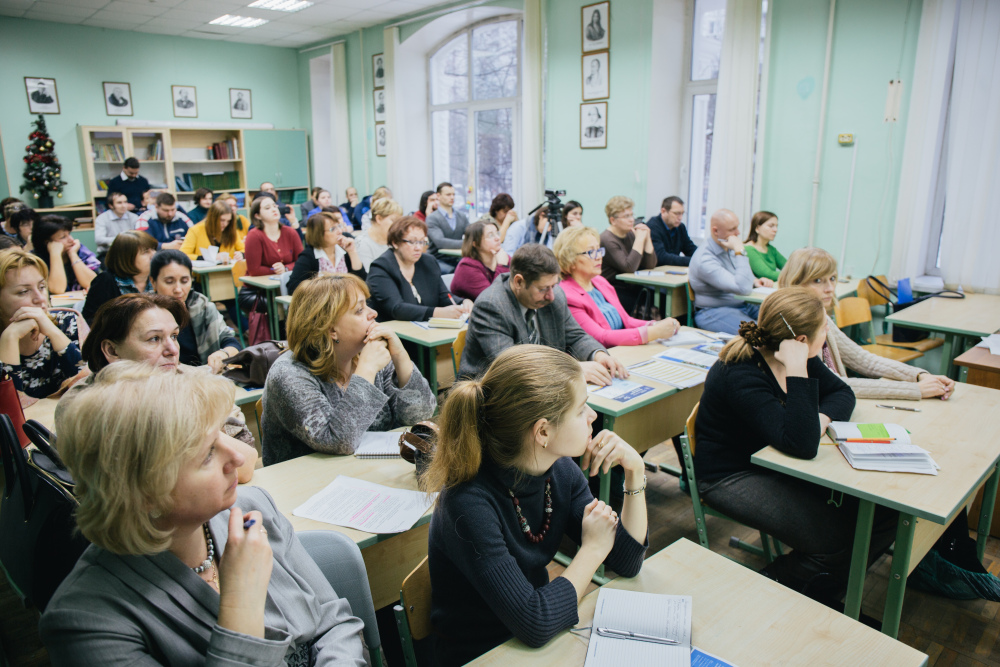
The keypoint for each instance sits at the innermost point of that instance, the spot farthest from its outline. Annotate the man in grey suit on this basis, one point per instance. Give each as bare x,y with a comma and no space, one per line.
527,306
446,228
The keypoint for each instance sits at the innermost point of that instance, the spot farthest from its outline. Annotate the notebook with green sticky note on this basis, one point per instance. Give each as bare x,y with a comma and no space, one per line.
841,431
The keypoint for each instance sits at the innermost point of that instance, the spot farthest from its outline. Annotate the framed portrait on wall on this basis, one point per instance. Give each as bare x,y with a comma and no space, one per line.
117,98
596,82
595,23
240,103
378,70
378,102
185,101
594,125
380,139
42,95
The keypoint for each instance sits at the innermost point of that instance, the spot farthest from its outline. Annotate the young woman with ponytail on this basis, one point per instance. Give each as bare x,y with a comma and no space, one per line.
509,494
772,389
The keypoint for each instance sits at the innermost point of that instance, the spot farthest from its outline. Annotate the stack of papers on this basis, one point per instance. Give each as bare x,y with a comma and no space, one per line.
992,342
895,452
622,391
685,337
663,617
373,508
692,358
677,375
764,291
444,322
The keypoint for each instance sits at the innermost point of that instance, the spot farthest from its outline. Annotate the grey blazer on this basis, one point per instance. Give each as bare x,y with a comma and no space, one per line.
441,235
496,323
154,610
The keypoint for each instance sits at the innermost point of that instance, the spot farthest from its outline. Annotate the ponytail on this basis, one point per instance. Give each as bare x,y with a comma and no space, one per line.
459,452
792,309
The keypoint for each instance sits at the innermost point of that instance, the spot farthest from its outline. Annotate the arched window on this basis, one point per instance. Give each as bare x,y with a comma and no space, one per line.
475,92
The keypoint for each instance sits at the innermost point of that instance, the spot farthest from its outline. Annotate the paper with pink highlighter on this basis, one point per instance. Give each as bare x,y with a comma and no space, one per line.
373,508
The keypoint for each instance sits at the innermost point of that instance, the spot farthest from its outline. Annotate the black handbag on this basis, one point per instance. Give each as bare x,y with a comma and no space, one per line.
643,308
901,334
40,542
253,363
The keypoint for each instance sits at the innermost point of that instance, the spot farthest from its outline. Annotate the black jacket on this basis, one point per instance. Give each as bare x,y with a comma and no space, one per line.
102,289
307,266
392,297
672,246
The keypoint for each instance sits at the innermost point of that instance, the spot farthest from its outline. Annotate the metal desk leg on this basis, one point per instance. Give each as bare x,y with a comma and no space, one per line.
656,298
949,341
432,368
272,310
859,559
898,574
668,306
986,512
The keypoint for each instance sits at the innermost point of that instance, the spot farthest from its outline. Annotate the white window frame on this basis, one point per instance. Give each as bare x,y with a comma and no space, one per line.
472,106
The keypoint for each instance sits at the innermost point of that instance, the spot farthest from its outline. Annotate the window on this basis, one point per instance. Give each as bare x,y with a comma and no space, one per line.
475,88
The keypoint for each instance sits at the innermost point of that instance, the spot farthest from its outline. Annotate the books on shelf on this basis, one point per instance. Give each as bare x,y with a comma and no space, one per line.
109,152
223,150
223,180
881,447
155,150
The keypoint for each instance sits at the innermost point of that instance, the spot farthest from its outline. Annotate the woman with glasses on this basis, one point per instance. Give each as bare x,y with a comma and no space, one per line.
405,282
629,247
483,259
592,299
327,250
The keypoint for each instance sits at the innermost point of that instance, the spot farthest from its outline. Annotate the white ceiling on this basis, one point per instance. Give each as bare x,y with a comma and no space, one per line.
189,18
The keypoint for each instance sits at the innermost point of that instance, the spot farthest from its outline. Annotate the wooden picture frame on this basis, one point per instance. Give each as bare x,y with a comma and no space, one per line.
240,103
594,125
40,99
380,139
117,98
378,71
184,100
595,27
378,105
595,75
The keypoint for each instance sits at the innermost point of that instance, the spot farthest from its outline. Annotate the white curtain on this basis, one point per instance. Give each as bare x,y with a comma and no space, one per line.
341,130
390,44
531,107
729,184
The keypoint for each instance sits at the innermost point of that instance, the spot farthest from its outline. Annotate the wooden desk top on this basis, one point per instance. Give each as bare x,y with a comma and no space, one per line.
841,290
284,300
451,252
979,358
959,434
426,337
661,279
291,483
737,615
261,282
66,299
218,268
975,315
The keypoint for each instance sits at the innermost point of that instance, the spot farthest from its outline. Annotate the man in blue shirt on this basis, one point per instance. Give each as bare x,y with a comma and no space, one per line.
165,223
130,184
671,242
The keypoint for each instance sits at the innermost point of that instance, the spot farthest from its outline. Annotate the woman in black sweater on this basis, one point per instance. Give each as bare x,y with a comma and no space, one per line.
127,272
771,389
327,250
510,492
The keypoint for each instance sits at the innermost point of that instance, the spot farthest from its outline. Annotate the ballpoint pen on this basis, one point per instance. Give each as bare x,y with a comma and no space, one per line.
625,634
896,407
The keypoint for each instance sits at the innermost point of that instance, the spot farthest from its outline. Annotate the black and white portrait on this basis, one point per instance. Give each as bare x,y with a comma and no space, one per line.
596,23
185,101
380,139
378,98
42,96
117,99
594,125
596,85
240,103
378,70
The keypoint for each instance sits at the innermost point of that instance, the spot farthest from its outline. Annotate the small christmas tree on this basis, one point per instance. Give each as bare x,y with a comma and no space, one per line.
42,170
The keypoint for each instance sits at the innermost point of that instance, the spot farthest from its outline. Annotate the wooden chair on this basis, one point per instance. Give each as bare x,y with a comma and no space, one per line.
854,310
239,270
768,550
874,299
456,350
258,410
690,313
413,613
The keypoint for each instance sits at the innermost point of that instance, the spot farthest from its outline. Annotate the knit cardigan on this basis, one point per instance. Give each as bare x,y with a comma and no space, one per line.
884,378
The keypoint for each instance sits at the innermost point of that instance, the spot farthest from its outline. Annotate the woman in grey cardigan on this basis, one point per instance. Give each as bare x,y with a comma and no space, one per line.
343,374
882,378
185,568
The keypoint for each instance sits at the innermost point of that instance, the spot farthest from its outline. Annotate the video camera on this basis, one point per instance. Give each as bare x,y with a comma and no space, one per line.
553,205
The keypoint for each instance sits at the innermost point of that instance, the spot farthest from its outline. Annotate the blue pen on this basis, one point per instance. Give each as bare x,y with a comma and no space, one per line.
248,523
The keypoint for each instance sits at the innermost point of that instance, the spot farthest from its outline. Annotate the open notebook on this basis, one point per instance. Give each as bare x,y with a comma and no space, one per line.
665,616
378,445
895,452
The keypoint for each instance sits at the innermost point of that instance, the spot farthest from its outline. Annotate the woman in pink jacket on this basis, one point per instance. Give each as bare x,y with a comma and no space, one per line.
593,300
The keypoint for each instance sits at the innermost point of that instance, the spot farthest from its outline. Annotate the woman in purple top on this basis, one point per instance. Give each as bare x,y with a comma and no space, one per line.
483,259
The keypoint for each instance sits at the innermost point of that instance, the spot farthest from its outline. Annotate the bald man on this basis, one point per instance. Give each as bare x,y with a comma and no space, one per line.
720,270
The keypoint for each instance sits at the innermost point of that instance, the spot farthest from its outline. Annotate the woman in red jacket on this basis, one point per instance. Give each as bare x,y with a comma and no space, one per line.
593,300
483,259
271,248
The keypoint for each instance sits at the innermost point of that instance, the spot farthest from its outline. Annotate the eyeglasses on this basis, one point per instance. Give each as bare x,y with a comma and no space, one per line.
626,216
423,243
596,253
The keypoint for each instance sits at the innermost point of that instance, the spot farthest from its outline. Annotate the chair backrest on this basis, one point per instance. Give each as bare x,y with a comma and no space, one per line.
689,426
239,270
873,297
339,558
415,597
457,348
852,310
447,278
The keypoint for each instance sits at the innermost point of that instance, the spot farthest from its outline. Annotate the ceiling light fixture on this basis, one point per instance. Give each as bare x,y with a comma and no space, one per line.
281,5
233,21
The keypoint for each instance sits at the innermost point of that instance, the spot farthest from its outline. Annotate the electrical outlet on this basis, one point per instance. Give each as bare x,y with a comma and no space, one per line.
845,139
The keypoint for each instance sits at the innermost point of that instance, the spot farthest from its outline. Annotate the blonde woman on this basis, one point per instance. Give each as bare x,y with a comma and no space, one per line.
375,240
343,374
510,491
185,566
593,301
816,270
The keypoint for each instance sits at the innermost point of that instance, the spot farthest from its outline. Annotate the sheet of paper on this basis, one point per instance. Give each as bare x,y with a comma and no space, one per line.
210,254
648,272
202,264
622,391
373,508
689,357
676,375
646,613
378,443
764,291
684,337
992,343
423,325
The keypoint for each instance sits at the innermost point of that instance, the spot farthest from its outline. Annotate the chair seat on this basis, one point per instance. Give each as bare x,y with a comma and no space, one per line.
895,353
920,345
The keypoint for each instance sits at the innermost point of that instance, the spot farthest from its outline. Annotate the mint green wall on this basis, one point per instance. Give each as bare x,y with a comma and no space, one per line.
79,58
868,47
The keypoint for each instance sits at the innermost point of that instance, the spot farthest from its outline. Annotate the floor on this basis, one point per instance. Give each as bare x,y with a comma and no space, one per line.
951,632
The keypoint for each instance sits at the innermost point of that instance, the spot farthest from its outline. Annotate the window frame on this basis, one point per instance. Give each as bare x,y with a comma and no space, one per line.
472,106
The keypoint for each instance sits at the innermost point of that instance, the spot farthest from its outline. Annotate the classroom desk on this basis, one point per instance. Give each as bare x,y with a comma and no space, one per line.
959,434
451,252
271,287
216,281
66,299
388,558
983,370
737,615
841,290
668,284
974,316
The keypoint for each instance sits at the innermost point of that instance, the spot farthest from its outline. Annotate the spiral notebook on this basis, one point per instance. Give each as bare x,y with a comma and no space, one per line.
378,445
652,615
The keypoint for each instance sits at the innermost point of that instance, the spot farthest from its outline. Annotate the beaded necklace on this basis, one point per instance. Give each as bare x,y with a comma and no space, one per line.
535,538
207,563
